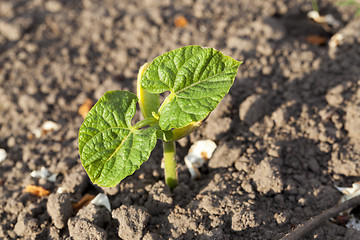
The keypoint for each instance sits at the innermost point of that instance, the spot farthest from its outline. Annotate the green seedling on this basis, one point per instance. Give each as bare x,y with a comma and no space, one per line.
195,79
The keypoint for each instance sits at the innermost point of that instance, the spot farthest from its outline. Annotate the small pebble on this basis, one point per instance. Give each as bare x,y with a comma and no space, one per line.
53,6
102,200
11,142
3,155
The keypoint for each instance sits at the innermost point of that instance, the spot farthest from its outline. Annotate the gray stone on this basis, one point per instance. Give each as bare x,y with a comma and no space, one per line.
252,109
161,199
80,229
53,6
76,181
59,208
267,178
352,121
224,156
95,214
132,221
11,31
25,225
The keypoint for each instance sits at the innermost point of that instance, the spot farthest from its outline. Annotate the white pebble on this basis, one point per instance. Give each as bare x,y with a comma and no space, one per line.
102,200
353,223
44,173
53,6
50,126
3,155
199,152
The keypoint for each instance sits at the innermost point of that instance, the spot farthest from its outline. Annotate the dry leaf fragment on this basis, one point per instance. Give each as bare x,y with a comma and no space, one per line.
180,22
316,40
85,107
84,201
30,136
36,190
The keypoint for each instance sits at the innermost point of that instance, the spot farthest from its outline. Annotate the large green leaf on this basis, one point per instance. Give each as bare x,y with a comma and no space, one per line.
197,78
110,149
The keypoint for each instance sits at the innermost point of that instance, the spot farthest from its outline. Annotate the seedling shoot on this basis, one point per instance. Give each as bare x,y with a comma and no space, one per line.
195,78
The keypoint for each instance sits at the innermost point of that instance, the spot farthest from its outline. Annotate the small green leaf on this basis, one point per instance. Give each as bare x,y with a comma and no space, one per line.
198,78
109,148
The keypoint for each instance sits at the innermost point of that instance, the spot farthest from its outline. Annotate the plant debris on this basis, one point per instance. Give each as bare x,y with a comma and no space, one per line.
84,201
316,40
312,223
85,107
180,22
36,190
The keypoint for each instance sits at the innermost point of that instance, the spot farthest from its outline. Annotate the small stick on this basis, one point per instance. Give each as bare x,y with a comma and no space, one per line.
314,222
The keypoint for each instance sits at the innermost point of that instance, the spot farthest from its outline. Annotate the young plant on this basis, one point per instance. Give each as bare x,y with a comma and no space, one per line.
196,78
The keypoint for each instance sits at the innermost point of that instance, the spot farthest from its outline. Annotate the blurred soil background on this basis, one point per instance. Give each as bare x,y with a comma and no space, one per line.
287,133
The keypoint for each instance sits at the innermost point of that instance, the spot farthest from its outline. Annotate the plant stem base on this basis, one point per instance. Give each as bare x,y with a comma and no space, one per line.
171,177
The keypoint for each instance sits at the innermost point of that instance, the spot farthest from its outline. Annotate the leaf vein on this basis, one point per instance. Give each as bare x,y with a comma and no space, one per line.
116,150
206,79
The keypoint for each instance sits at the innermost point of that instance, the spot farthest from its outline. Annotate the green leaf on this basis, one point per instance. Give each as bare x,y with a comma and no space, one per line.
198,78
110,149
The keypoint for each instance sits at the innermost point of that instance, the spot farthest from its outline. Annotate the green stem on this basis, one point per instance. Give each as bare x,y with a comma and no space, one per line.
171,177
315,5
145,122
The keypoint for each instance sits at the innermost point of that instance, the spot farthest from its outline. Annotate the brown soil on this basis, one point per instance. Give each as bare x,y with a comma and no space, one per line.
287,133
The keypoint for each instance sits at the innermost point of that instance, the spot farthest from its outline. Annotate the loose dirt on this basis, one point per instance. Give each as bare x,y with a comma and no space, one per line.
287,132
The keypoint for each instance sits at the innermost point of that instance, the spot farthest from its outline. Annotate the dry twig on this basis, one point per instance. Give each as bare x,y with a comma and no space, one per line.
316,221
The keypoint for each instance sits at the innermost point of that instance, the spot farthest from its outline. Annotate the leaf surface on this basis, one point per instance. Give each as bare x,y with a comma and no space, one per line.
197,78
109,148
